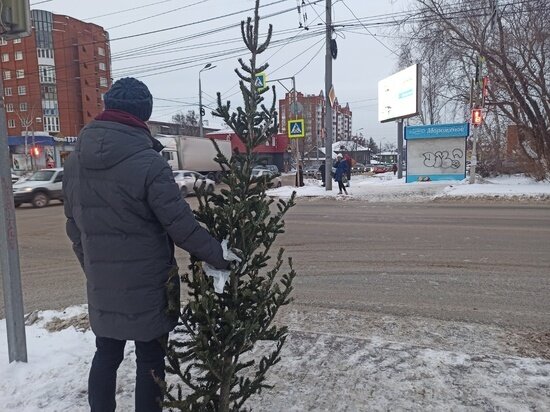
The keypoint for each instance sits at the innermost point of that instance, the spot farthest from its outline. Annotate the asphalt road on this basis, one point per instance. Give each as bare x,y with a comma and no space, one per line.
487,263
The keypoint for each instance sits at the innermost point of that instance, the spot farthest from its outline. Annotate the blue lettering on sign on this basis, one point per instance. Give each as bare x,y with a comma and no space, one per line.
406,93
433,131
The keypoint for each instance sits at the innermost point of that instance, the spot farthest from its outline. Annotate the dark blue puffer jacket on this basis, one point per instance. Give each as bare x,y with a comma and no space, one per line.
341,170
124,214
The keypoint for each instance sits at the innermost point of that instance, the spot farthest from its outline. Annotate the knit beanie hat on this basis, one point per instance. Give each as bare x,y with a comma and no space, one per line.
131,96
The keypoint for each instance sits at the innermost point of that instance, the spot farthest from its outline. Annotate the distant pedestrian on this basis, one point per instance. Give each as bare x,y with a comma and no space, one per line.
394,169
300,177
340,174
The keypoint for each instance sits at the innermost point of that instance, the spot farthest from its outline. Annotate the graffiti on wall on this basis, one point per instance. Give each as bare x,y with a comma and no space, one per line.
444,159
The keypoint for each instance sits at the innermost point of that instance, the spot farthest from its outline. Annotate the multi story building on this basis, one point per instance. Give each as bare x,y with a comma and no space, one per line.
312,109
54,79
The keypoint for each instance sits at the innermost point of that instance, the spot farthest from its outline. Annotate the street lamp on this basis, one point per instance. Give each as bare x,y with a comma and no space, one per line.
201,110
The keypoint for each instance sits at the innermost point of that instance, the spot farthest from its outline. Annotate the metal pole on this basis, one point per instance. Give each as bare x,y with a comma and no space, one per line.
473,160
400,149
297,145
9,251
328,107
26,147
201,131
33,157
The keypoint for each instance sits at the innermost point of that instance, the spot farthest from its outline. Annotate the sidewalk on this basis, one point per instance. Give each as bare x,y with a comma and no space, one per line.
386,187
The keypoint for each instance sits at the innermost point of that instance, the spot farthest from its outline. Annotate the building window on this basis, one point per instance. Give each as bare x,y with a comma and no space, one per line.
22,90
50,108
23,107
11,124
9,108
49,92
7,75
16,41
3,42
101,51
102,66
20,73
7,91
51,124
5,57
47,74
103,82
18,55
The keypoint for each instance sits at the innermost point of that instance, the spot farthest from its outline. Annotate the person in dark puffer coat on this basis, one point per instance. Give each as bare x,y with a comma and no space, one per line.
124,214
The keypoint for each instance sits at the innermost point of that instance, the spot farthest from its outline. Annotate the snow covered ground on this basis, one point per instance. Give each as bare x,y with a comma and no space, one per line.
333,361
386,187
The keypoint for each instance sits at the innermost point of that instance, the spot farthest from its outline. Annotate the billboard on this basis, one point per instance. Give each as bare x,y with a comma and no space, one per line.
399,94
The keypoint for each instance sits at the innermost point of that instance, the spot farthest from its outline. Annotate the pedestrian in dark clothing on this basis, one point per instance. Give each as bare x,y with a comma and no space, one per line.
322,171
124,214
341,173
300,177
394,169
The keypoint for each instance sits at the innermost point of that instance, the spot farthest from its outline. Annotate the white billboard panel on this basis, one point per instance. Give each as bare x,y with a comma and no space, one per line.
399,94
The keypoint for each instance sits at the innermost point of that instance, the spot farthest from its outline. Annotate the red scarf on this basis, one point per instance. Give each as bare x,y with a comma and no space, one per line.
119,116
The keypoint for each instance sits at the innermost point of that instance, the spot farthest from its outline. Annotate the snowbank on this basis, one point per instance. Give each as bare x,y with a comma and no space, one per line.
333,361
386,187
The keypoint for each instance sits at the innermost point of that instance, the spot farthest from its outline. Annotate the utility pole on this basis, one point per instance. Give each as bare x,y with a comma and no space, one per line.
400,148
328,106
201,109
295,105
294,110
9,251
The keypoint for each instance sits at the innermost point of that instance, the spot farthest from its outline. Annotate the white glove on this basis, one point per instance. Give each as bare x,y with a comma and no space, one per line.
221,275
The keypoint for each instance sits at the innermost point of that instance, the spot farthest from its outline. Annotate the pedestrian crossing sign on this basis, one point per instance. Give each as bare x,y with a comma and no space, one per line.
296,128
261,81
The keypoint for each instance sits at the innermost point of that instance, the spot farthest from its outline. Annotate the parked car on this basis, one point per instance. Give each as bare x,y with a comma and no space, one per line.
188,180
275,178
358,168
381,168
14,178
39,188
312,171
272,168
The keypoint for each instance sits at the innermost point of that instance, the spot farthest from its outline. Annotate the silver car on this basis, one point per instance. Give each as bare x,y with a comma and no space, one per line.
188,180
275,179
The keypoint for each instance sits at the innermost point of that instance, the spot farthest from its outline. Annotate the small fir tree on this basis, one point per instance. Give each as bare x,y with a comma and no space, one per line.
211,349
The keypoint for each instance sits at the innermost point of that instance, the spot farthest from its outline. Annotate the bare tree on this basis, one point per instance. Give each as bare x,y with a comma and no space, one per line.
188,123
510,43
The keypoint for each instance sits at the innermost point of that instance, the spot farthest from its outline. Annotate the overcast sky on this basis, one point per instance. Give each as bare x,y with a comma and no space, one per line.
171,69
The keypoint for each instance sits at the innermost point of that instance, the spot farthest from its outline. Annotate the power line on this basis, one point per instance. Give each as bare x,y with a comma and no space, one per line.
368,31
312,58
131,36
157,15
125,10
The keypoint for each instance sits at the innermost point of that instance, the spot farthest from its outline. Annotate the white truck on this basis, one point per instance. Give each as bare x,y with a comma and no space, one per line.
194,153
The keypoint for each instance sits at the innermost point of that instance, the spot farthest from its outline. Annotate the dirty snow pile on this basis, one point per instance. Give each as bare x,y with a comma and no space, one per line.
386,187
334,360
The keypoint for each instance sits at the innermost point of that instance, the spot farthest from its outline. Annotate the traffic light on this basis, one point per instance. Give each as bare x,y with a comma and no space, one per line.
477,117
15,19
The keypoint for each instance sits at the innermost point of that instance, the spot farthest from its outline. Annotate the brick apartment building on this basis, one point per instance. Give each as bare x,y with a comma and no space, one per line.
314,118
55,78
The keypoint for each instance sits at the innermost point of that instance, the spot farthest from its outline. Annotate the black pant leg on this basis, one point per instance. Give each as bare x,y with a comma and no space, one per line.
102,379
150,366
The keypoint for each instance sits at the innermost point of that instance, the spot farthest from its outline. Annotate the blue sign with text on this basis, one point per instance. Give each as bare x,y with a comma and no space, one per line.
433,131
